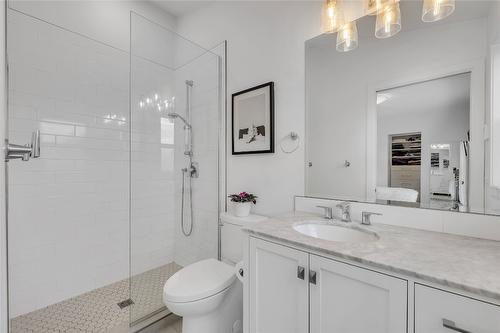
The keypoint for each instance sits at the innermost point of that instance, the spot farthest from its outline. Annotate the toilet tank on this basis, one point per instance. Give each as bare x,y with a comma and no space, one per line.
232,236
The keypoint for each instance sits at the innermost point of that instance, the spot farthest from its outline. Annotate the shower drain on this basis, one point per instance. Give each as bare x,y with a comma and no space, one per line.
125,303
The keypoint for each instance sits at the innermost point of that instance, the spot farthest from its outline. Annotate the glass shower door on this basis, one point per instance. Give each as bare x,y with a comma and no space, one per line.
175,117
68,226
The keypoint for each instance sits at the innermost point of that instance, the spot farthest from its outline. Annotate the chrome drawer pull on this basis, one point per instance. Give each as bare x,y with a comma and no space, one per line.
312,277
301,272
452,326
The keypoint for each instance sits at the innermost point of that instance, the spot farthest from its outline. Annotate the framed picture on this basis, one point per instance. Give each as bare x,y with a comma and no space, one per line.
253,120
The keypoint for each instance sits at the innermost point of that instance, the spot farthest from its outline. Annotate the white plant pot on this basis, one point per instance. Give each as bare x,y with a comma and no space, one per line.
242,209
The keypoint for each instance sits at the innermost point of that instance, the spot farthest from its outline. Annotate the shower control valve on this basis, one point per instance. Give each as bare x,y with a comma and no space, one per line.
192,170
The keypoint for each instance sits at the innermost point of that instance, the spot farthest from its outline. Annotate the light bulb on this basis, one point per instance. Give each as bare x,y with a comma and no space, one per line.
347,37
332,17
388,21
435,10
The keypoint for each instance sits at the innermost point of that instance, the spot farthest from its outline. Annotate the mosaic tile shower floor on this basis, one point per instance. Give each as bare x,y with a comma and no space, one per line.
97,310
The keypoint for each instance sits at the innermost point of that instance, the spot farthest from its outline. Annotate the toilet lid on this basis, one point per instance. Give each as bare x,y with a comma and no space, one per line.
199,280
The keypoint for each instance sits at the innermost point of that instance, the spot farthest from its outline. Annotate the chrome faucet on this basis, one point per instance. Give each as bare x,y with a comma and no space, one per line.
328,212
365,217
346,211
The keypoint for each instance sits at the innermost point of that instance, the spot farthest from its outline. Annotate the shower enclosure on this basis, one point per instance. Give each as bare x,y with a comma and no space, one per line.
127,185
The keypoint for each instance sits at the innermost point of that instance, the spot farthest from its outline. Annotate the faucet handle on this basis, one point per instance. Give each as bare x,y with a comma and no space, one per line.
365,217
328,212
344,205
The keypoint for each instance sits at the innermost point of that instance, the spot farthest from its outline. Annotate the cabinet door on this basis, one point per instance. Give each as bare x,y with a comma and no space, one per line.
278,289
438,311
349,299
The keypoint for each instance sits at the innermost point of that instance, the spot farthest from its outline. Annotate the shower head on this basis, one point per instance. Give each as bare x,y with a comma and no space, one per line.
173,115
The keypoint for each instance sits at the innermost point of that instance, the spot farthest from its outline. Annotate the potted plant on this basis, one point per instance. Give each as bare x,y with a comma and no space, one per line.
243,203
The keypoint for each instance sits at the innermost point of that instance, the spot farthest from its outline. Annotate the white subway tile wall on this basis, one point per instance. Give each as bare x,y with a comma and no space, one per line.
204,72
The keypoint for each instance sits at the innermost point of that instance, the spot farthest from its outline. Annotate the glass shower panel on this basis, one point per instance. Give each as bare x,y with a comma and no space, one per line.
69,209
174,159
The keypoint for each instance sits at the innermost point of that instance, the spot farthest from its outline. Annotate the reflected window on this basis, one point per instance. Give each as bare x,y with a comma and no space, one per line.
167,131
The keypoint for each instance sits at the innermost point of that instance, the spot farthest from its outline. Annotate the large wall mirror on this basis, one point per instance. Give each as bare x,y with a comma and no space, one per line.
412,120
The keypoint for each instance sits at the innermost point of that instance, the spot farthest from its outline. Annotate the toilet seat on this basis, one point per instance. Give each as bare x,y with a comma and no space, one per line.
198,281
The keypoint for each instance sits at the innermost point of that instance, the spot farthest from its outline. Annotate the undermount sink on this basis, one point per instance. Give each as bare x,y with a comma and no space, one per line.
335,233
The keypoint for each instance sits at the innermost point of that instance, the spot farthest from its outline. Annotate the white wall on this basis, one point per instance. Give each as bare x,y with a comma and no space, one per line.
339,87
265,43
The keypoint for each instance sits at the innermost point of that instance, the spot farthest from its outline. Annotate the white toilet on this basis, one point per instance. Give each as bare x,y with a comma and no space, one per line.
207,294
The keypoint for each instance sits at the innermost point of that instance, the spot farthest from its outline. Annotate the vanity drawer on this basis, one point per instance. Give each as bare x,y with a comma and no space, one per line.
437,311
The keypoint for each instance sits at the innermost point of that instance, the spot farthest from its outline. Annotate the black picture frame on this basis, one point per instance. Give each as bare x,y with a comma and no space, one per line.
270,150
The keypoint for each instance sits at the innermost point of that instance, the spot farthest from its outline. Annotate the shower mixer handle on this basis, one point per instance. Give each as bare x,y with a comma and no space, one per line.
25,152
193,170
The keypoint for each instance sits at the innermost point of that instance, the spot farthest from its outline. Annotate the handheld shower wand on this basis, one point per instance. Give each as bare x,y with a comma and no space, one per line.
191,171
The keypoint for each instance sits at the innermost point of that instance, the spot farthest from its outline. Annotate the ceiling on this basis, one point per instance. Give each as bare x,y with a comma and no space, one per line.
435,95
182,7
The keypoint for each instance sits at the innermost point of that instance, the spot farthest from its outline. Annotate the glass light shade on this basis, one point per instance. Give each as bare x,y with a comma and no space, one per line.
375,6
388,21
332,17
435,10
347,37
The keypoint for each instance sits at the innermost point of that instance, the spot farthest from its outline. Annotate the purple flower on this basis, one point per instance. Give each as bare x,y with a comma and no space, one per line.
243,197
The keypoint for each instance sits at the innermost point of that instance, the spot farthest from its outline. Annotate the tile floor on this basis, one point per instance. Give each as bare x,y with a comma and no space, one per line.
97,310
171,324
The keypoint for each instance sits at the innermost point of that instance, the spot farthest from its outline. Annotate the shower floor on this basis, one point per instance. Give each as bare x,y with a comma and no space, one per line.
98,310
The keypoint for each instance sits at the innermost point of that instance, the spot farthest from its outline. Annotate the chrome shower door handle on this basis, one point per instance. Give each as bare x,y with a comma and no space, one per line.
14,151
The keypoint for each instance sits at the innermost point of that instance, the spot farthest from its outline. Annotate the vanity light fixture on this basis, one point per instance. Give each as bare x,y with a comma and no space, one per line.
347,37
435,10
332,16
388,21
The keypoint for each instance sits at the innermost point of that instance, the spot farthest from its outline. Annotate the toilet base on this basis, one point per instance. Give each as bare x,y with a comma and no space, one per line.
227,318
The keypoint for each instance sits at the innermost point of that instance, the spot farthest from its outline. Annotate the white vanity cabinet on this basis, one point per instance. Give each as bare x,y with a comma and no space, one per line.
349,299
294,291
278,298
438,311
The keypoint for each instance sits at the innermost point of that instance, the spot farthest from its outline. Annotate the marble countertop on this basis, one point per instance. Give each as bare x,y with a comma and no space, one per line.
464,263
